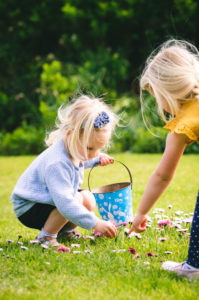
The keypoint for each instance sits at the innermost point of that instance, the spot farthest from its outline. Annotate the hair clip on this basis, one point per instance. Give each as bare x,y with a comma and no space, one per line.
101,120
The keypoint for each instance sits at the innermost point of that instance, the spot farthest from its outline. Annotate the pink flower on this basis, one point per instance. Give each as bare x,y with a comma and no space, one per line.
163,223
63,249
149,254
162,239
88,237
96,233
131,250
137,255
125,224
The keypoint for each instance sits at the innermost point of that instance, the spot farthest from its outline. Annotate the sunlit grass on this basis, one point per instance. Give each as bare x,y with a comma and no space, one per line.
47,274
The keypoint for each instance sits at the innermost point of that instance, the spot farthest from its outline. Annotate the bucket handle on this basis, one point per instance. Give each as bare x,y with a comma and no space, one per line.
131,180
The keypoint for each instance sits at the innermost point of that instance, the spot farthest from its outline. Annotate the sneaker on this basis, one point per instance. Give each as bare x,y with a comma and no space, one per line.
69,231
73,234
178,269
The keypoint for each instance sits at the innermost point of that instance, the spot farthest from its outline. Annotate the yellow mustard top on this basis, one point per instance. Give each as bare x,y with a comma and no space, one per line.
187,121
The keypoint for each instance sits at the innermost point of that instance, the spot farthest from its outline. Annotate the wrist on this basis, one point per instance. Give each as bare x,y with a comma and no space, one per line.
141,214
98,222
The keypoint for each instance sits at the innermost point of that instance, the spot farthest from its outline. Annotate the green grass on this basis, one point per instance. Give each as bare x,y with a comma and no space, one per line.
47,274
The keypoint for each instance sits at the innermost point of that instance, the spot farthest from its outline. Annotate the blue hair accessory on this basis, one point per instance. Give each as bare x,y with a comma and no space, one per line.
101,120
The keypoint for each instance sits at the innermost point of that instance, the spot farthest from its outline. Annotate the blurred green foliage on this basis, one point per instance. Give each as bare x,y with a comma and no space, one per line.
25,139
51,51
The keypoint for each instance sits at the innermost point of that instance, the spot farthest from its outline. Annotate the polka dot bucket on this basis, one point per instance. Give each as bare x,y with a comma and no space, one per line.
114,201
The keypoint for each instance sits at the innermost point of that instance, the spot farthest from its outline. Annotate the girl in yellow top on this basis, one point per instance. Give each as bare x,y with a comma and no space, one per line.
172,77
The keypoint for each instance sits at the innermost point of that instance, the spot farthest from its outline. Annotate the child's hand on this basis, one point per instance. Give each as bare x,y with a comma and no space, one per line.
105,159
106,228
139,223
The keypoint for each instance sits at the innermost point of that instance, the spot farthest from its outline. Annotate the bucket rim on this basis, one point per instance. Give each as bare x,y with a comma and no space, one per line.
130,176
112,184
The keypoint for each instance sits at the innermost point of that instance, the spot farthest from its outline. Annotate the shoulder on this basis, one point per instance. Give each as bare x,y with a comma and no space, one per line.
187,122
58,171
57,158
60,163
57,154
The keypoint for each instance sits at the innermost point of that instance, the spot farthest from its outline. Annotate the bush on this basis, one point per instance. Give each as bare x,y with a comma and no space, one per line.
194,148
23,140
150,142
56,88
103,70
123,139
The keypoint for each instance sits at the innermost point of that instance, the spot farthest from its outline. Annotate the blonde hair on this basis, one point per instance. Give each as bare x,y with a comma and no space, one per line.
171,75
79,118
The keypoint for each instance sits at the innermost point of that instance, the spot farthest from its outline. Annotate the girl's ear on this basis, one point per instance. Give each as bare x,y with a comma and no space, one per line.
68,133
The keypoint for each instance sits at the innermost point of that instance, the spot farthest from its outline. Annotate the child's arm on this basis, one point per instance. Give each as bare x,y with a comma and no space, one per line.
58,179
160,179
101,160
105,159
107,228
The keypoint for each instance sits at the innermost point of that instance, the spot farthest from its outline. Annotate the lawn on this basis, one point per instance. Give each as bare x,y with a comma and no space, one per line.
37,273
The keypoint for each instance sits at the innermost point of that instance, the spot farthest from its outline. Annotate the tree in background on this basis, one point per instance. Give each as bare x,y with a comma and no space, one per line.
51,50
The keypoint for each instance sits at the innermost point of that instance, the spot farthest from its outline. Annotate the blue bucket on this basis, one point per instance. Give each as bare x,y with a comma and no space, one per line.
114,201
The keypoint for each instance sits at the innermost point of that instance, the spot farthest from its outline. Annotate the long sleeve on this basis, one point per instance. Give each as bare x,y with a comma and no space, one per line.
91,163
59,182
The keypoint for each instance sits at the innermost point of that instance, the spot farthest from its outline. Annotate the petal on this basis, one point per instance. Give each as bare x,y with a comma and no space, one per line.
131,250
63,249
149,254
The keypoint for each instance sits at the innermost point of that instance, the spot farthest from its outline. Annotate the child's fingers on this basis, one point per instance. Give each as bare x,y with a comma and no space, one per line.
102,161
138,228
112,231
111,160
141,229
115,231
107,160
144,223
131,229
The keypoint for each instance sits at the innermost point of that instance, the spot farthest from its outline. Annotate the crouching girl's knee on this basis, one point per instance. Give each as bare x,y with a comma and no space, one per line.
88,200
